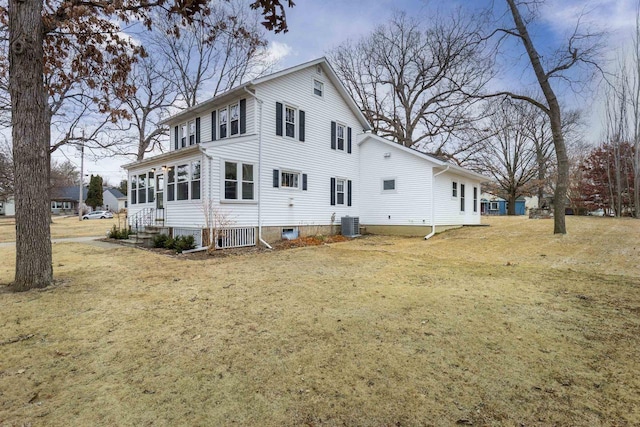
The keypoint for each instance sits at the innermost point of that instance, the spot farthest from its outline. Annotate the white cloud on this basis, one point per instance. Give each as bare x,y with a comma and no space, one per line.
601,15
277,51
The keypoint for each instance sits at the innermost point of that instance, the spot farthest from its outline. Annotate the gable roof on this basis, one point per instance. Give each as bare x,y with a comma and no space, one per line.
68,193
115,192
440,164
232,93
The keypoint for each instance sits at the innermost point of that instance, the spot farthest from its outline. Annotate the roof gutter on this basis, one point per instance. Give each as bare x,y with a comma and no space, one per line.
433,207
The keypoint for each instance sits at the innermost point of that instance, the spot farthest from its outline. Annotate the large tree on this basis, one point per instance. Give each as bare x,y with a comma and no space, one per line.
509,154
86,36
415,80
178,72
94,193
608,177
580,49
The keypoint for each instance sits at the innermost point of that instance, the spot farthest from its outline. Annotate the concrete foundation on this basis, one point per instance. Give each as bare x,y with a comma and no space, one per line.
404,230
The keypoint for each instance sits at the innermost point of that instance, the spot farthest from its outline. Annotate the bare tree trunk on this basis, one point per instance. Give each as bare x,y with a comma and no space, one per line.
511,209
555,117
30,131
635,104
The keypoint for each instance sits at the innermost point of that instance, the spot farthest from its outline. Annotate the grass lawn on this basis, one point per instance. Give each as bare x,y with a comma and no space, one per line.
63,227
500,325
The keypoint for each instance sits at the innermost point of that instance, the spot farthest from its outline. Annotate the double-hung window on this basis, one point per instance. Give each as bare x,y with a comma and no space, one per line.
290,121
183,182
340,134
461,197
318,88
234,119
183,135
475,199
171,183
340,137
223,121
134,189
454,189
341,191
340,183
151,188
247,182
238,181
192,132
142,188
195,180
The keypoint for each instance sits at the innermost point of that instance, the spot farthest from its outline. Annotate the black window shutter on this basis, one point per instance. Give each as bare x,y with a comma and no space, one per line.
349,193
276,178
304,182
348,140
278,119
197,130
243,116
333,191
175,137
301,132
213,125
333,135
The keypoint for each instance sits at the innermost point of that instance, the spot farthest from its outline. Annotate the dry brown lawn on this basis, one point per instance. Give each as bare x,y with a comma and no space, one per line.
63,227
500,325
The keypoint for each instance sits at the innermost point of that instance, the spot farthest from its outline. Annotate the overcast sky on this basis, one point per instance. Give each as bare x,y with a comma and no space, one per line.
317,26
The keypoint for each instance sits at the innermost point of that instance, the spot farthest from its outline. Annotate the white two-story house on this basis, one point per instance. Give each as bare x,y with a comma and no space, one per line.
292,153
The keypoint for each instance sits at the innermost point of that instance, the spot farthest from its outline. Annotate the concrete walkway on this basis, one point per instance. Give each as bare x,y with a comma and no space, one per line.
91,240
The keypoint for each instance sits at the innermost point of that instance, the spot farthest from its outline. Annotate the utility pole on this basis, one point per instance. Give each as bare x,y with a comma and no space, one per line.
80,201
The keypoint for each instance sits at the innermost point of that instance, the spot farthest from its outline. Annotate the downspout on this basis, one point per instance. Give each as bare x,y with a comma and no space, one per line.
433,206
260,239
209,160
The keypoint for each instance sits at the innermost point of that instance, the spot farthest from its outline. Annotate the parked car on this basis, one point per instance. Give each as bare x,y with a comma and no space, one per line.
98,215
600,212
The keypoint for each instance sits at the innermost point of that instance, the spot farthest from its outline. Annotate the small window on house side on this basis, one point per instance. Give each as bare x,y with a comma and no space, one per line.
183,135
340,133
192,132
290,122
388,185
289,180
234,119
318,88
340,184
454,189
223,120
462,198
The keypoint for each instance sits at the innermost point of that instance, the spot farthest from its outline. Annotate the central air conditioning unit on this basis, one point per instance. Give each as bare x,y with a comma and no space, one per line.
350,226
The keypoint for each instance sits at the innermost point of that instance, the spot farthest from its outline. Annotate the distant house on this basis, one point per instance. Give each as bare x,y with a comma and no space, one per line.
64,200
494,205
113,200
7,207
